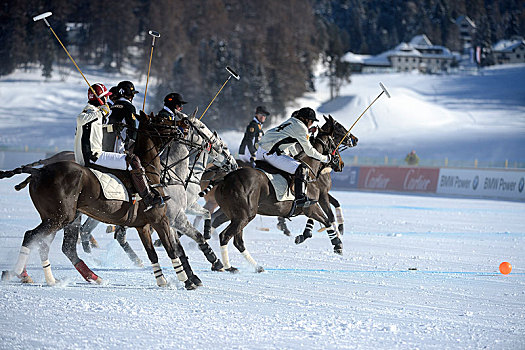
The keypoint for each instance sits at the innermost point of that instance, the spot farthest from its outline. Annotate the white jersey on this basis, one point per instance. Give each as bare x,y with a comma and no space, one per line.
88,137
288,134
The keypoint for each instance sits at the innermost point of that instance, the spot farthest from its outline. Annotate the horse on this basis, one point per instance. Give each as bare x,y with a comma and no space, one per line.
59,190
325,199
246,192
85,229
180,177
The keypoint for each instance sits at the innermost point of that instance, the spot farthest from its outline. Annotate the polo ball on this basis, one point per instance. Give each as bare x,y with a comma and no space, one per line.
505,268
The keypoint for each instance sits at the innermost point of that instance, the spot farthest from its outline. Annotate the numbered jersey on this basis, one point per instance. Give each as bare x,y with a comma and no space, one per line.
283,138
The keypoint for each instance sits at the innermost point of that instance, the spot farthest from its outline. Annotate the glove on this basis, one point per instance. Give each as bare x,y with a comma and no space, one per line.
333,161
105,110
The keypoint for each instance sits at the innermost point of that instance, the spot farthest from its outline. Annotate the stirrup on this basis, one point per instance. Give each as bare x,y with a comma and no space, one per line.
157,202
304,202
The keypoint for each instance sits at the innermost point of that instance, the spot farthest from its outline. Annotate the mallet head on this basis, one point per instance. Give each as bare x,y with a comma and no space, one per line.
42,16
232,72
384,89
154,34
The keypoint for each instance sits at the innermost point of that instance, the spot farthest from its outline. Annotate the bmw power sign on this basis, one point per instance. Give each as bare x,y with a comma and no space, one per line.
489,183
475,183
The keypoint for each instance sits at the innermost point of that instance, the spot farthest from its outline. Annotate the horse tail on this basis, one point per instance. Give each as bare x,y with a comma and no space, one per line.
59,157
207,189
27,169
24,183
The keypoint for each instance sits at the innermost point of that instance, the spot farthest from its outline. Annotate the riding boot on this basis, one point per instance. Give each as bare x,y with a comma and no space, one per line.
301,200
151,200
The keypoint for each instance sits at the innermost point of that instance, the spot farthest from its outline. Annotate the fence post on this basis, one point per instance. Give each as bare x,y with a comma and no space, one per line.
386,160
355,159
446,162
476,163
506,163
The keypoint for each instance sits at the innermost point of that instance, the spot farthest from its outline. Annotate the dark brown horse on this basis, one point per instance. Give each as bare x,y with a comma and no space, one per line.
247,192
61,189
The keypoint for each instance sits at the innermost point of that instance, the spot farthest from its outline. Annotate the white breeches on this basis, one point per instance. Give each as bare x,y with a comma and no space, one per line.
112,160
246,156
283,162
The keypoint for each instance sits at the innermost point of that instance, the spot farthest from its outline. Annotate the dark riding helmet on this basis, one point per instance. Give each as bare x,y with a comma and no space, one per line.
305,113
114,93
262,111
126,89
173,99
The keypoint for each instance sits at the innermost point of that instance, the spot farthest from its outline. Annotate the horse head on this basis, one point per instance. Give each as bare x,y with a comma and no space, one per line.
340,132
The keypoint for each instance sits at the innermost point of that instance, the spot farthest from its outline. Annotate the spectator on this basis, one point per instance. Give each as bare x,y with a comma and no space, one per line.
412,158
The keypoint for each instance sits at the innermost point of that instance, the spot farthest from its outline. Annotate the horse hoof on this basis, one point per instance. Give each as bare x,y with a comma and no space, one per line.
196,280
99,280
338,249
259,269
189,285
217,266
299,239
138,263
232,269
26,279
6,276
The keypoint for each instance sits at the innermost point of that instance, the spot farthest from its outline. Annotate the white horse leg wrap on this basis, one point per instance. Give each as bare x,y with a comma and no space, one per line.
50,279
339,215
249,258
331,233
179,269
22,260
157,271
225,257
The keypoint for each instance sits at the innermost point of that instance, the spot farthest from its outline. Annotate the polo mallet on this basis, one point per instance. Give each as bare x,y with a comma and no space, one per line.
385,91
155,35
232,74
44,17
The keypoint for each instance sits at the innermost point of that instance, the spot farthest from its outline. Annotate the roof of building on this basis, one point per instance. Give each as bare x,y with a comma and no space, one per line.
508,45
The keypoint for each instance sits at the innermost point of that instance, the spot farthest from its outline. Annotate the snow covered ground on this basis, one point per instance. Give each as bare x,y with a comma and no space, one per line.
309,297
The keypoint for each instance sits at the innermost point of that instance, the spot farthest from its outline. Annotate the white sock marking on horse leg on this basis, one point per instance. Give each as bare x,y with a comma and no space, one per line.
225,257
179,269
249,258
157,272
22,260
339,215
50,279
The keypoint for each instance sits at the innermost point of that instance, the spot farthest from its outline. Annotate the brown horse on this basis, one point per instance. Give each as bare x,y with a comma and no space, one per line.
247,192
214,174
58,190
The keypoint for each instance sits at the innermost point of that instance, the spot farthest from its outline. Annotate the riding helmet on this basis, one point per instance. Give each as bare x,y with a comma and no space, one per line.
126,88
173,99
305,113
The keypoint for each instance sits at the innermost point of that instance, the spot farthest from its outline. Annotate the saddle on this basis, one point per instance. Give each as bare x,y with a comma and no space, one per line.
282,182
122,175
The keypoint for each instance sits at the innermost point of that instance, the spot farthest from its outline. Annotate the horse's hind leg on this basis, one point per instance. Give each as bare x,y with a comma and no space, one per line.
316,213
120,236
281,225
182,224
45,228
234,229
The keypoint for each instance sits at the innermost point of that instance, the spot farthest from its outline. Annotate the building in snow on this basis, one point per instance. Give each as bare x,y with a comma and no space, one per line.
467,29
509,51
419,54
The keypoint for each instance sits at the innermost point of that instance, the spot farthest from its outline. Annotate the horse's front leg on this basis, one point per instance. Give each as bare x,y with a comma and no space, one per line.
316,213
69,248
170,243
338,213
145,237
